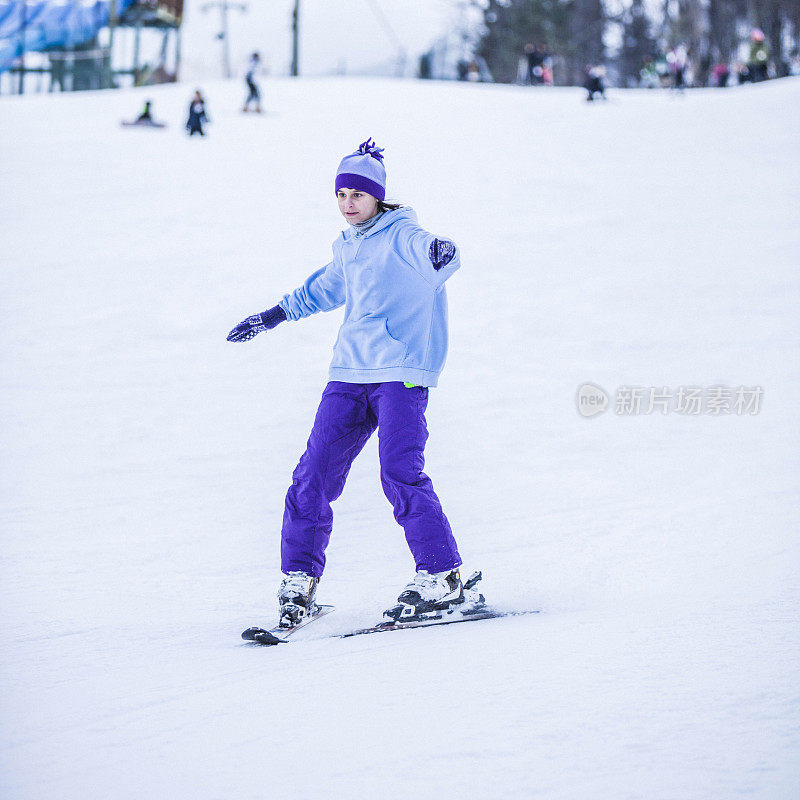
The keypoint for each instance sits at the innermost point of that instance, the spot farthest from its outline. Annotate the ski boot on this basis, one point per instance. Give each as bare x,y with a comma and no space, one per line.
430,595
296,598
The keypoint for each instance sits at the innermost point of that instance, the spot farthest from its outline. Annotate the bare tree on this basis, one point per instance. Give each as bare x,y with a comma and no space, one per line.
570,30
638,45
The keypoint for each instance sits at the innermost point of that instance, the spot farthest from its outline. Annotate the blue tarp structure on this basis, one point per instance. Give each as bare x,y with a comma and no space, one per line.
28,25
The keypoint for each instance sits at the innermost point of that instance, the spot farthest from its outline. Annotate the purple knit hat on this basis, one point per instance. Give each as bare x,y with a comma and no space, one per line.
363,170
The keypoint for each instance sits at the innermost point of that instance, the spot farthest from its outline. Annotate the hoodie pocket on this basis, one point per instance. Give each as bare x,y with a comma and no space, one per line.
367,344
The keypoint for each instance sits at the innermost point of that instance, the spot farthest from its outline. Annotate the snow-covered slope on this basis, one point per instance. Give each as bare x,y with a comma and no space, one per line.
651,241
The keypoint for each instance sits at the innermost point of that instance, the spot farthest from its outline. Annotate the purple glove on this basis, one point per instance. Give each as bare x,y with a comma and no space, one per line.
264,321
441,252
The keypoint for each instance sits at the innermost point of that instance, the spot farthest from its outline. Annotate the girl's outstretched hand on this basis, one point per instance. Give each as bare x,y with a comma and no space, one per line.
252,326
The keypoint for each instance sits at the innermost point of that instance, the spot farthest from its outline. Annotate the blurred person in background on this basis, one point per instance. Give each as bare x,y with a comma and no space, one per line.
425,70
547,71
649,77
703,75
197,115
662,70
536,55
676,59
742,73
758,61
720,73
594,81
254,95
145,117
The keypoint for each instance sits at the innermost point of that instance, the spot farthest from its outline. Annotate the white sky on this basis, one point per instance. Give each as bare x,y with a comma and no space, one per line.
335,34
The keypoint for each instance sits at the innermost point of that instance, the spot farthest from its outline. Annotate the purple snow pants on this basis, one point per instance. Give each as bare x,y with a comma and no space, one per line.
347,416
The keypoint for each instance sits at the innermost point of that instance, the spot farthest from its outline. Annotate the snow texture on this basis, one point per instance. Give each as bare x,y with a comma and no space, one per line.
648,241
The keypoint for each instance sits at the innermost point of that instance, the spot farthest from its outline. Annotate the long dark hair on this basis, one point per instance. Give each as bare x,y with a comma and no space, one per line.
383,205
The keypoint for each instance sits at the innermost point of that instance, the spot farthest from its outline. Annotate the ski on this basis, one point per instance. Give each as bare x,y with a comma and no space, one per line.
279,635
471,608
445,618
134,124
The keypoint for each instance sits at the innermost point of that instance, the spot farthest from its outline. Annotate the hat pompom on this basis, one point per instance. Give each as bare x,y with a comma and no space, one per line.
370,148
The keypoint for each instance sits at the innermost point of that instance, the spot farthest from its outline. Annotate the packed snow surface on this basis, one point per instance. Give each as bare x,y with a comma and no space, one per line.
651,241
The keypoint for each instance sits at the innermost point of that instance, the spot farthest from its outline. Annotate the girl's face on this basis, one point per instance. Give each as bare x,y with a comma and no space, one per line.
356,206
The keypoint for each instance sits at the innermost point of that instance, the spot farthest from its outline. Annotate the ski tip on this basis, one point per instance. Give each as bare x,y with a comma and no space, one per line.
250,634
260,636
278,634
267,638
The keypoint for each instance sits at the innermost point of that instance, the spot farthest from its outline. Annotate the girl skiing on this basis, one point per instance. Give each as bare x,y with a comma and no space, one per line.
389,274
197,115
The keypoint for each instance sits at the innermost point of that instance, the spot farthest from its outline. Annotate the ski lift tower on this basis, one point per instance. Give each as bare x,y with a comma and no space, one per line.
224,35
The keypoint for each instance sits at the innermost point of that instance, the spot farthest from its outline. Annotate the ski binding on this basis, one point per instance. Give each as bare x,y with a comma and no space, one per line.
470,603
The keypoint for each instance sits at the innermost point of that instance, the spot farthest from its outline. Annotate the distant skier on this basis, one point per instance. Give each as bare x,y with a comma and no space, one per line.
197,115
720,73
758,61
389,273
742,73
254,95
535,55
677,58
648,75
594,82
146,115
145,119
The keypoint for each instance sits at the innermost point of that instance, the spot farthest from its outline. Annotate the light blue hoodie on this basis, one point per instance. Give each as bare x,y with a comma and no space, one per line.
395,319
